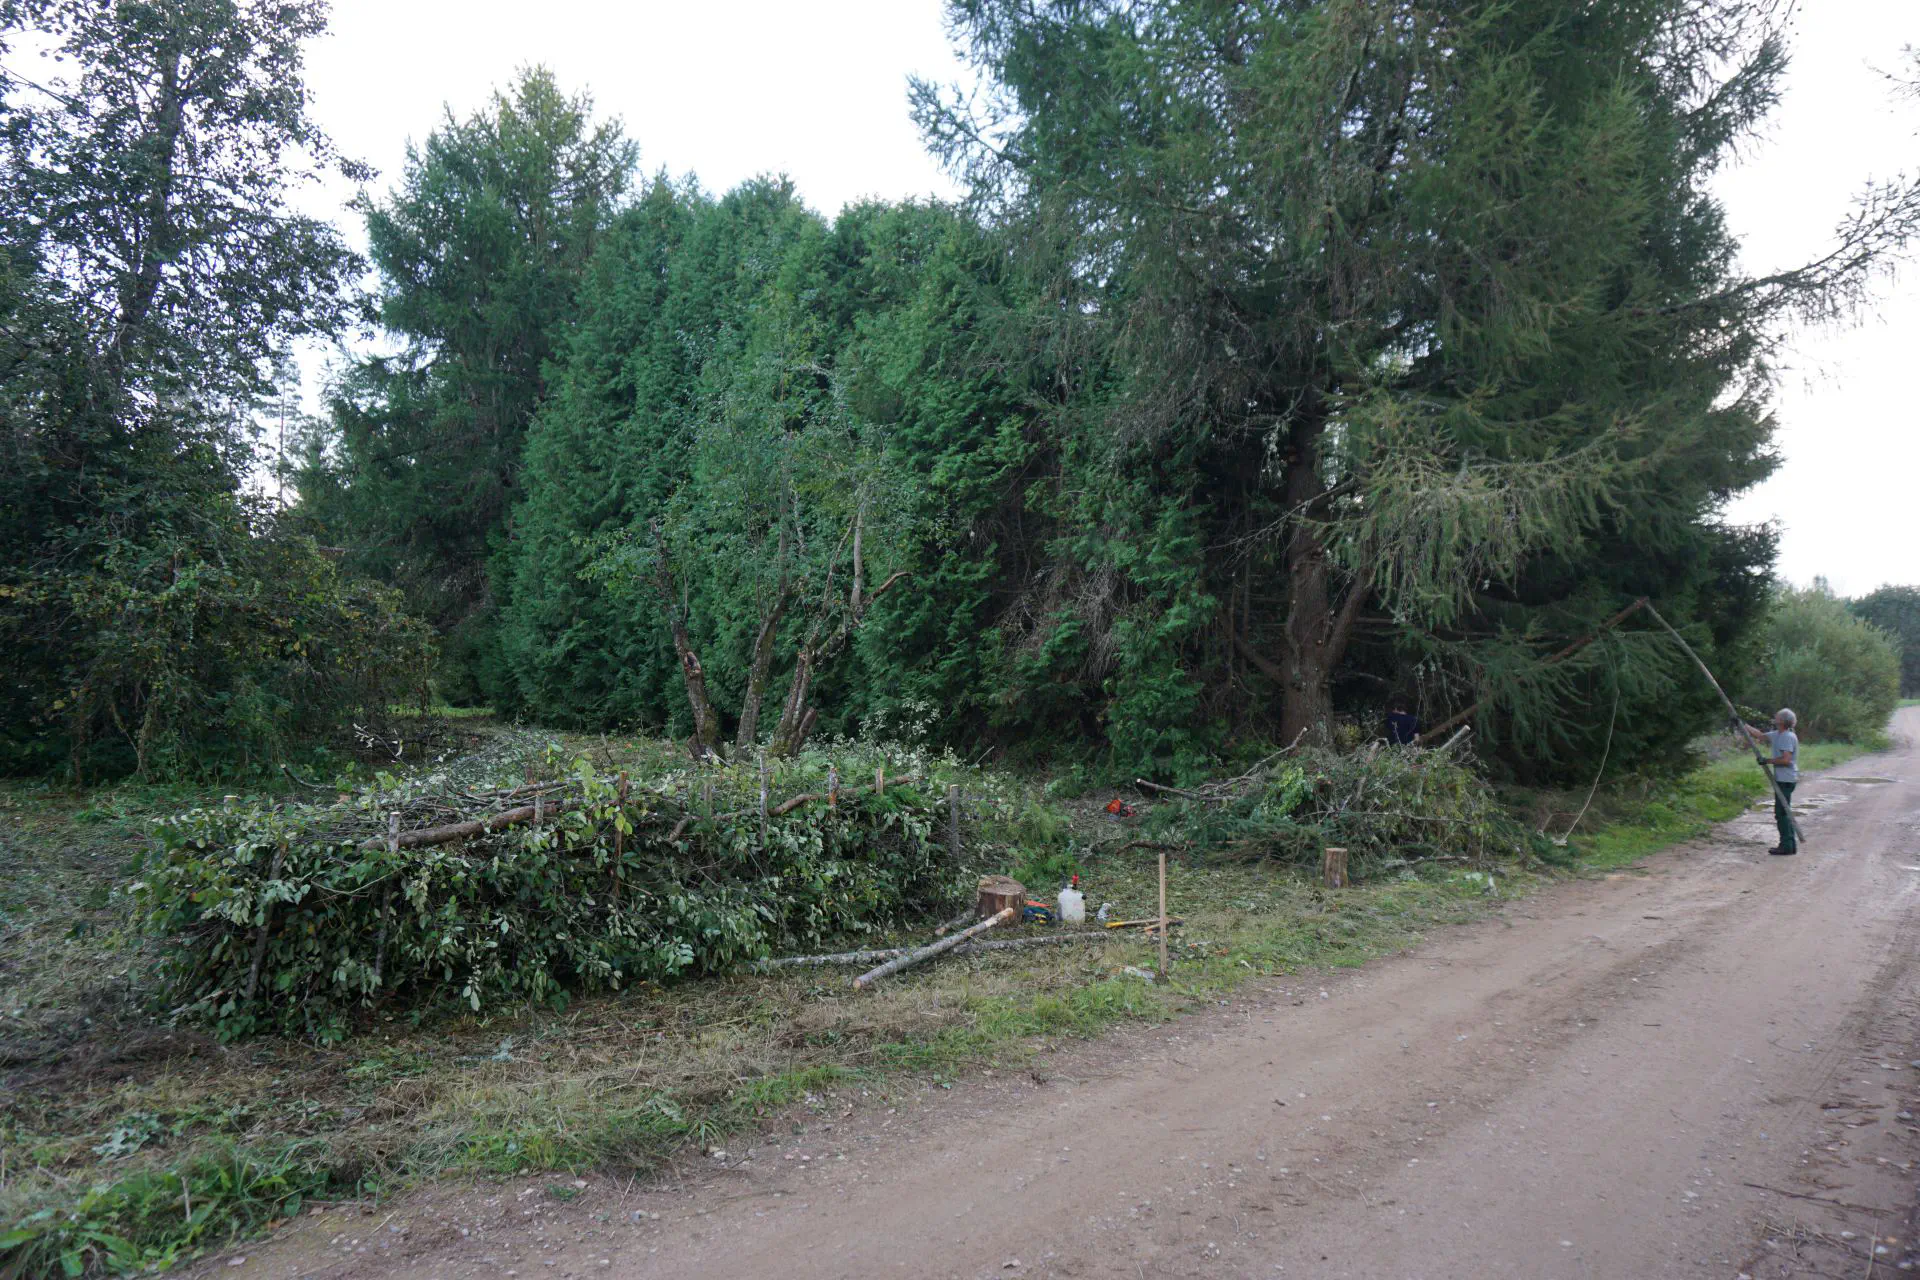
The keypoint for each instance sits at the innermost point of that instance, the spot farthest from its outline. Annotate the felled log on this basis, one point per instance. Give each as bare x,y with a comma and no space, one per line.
428,836
889,953
933,949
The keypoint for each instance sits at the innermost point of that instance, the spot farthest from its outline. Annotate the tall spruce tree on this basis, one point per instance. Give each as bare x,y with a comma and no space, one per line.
481,252
1422,323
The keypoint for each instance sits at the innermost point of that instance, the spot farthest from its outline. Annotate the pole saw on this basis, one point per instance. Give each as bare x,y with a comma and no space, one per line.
1733,713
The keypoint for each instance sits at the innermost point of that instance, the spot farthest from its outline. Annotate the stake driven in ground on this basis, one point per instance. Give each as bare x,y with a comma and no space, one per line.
1163,913
1732,711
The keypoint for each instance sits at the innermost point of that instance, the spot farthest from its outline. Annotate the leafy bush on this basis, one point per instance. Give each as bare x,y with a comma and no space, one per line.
1384,806
1840,675
1896,611
290,916
197,650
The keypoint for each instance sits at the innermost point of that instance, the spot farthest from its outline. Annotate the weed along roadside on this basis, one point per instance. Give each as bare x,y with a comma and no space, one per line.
424,1009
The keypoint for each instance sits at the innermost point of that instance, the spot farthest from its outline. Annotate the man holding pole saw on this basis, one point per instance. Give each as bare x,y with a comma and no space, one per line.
1783,750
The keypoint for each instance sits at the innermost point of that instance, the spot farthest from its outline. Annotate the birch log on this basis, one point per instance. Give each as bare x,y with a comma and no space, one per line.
970,948
931,950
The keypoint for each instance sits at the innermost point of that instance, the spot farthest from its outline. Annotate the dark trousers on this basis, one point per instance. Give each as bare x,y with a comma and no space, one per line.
1782,817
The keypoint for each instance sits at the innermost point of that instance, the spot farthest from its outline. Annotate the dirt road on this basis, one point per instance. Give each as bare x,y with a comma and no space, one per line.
1699,1069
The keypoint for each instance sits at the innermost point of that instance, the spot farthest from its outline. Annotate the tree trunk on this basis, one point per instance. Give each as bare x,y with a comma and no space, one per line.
155,235
749,730
790,735
1317,629
706,723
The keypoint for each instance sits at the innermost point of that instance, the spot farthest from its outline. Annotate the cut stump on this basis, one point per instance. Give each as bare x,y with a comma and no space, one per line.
997,893
1334,867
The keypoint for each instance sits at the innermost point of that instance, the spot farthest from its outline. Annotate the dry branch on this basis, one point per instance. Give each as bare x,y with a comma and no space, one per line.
889,953
931,950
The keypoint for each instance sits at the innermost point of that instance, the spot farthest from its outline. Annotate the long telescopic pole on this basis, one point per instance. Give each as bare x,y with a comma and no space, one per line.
1733,712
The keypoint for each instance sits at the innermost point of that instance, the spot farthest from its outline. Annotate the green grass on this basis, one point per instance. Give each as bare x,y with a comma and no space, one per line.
1652,817
115,1124
1910,702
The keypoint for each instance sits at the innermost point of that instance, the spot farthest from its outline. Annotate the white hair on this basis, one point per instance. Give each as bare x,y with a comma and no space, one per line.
1785,716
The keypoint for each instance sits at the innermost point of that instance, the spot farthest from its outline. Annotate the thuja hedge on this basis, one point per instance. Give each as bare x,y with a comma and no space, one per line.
292,917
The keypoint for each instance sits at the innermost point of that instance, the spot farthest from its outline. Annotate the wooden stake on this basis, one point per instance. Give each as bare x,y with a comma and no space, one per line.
1163,915
763,801
880,781
619,840
931,950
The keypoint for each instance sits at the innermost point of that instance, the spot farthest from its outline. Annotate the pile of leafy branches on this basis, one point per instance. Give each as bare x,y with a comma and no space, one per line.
1386,806
291,916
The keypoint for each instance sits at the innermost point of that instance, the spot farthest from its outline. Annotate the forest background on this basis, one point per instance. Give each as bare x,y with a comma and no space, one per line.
1284,359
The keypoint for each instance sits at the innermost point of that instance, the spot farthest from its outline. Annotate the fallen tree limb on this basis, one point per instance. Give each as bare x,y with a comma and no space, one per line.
931,950
889,953
1460,718
429,836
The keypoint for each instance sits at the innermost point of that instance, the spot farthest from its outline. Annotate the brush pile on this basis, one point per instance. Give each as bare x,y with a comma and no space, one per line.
292,916
1388,807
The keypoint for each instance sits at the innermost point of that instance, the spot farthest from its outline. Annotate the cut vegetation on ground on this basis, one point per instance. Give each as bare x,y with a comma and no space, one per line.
140,1129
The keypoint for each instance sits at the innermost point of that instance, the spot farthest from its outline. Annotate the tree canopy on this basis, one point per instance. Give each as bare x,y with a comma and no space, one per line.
1284,358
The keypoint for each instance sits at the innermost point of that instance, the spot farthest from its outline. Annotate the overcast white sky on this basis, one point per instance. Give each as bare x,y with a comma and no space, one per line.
817,90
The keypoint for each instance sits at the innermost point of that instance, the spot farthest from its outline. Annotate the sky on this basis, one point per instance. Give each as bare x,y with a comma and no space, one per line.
817,90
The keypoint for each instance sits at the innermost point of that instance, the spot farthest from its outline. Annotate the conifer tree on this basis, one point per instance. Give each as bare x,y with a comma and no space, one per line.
481,251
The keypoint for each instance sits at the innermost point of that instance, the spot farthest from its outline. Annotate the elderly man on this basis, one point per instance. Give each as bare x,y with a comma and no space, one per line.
1783,752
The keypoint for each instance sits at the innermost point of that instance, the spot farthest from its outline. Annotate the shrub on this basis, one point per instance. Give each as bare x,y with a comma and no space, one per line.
218,646
1384,806
291,916
1840,675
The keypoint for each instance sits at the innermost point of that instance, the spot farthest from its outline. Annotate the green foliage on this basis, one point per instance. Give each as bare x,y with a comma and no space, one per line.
222,646
1839,674
1896,611
154,1218
152,272
1459,347
481,252
1389,808
599,895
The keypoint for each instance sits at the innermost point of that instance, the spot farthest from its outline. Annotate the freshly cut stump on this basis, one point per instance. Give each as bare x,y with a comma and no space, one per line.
997,893
1335,867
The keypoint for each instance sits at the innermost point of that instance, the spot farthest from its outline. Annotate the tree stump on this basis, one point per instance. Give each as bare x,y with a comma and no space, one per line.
1334,867
997,893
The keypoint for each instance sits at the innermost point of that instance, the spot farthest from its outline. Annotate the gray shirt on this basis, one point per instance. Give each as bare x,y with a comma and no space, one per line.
1784,742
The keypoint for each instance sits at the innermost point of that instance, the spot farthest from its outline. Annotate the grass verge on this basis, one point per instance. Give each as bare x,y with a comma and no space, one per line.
129,1144
1646,816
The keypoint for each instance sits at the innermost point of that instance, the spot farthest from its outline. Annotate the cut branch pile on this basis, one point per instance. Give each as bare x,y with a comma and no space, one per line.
292,916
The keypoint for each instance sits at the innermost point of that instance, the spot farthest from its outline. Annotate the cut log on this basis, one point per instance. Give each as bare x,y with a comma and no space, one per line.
931,950
1333,867
966,949
998,893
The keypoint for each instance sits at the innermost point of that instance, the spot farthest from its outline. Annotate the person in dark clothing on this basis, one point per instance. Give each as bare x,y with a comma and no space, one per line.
1403,727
